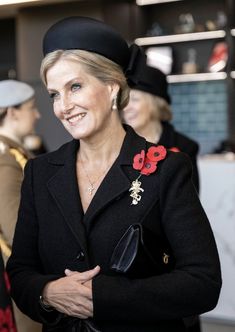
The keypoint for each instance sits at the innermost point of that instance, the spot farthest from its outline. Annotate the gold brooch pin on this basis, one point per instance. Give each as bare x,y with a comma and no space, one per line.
135,191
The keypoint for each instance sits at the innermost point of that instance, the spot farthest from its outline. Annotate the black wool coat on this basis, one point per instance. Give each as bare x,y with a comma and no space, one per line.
52,234
171,138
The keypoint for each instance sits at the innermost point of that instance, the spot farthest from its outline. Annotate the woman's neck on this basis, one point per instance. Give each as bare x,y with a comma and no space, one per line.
103,149
152,132
10,134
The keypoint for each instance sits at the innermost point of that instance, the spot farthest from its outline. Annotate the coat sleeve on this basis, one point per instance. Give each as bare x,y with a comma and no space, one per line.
24,267
195,175
191,148
193,286
193,154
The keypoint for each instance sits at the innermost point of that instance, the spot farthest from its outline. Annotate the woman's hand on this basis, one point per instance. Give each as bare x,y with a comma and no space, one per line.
72,294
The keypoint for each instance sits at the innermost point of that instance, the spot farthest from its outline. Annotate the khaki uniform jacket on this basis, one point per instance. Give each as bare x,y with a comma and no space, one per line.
12,161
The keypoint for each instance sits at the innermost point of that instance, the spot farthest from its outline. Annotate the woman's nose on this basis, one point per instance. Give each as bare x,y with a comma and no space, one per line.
37,114
126,108
66,105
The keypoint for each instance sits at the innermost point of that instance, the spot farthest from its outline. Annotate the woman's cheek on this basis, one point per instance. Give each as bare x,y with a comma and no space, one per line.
57,113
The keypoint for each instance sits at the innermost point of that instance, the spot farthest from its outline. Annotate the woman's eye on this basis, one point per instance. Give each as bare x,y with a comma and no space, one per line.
53,95
75,86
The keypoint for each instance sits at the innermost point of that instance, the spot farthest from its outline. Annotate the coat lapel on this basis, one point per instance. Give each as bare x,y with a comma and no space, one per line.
118,180
64,189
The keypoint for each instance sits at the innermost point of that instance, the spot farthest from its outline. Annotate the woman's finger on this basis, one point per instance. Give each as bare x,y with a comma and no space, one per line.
83,276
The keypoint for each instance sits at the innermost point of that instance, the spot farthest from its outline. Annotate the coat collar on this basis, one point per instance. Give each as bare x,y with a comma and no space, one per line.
64,189
117,180
168,135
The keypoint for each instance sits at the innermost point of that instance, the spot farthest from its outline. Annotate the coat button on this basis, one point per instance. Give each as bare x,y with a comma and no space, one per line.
80,256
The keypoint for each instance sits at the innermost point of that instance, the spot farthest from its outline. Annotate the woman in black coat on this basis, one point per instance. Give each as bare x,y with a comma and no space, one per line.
149,113
74,264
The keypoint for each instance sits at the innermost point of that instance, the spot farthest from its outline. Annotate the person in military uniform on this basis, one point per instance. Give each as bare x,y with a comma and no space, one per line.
18,114
149,114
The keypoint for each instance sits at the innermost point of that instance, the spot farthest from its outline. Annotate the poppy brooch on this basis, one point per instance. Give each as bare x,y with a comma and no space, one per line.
146,164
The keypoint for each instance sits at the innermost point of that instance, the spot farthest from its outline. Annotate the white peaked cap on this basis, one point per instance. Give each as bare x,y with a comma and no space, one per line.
13,93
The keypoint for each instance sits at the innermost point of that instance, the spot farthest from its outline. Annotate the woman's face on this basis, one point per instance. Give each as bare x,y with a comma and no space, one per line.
140,110
27,115
80,101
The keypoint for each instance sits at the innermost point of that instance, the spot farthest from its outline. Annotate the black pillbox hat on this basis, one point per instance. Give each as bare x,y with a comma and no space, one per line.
153,80
87,34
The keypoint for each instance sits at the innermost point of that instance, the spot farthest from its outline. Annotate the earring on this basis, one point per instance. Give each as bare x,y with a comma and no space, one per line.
114,104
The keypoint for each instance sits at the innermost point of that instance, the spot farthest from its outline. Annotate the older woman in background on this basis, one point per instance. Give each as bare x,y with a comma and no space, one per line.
149,113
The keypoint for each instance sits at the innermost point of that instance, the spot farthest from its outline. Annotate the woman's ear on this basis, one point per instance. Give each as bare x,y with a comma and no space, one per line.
114,89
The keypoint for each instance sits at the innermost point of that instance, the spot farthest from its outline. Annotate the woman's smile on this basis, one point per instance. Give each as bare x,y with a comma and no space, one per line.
75,119
130,115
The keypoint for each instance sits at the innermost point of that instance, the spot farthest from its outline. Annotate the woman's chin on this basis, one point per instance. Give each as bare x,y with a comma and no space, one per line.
83,135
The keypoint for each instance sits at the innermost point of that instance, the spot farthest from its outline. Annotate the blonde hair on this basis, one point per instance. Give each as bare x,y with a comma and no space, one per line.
163,108
97,65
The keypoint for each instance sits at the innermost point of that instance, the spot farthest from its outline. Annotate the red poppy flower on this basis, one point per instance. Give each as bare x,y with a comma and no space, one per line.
156,153
174,149
138,162
148,167
148,164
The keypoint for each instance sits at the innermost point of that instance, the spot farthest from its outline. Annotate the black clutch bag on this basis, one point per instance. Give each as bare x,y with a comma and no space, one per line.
140,253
